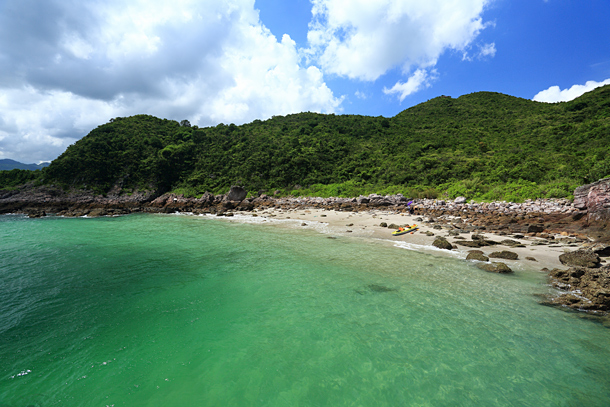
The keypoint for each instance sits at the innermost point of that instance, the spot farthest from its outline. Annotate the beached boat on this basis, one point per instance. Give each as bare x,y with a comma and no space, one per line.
405,230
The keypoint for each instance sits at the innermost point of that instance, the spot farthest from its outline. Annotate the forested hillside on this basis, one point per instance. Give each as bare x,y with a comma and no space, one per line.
483,145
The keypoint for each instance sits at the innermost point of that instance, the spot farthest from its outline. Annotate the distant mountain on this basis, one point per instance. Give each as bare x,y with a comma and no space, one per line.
6,164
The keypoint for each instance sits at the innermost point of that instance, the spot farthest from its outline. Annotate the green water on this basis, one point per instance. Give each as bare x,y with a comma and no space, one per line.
187,311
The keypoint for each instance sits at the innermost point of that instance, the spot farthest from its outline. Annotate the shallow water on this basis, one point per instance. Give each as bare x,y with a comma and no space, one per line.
174,310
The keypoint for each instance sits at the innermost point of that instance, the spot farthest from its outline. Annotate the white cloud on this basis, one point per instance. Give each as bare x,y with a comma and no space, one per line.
360,39
488,50
68,67
360,95
418,80
555,94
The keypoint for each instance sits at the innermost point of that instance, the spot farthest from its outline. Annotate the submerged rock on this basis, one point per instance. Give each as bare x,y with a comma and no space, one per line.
380,288
500,268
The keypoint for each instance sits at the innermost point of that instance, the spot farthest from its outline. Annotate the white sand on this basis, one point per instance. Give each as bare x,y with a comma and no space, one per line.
367,225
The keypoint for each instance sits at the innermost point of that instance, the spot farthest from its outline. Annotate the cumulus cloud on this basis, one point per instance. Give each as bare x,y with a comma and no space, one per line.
67,66
420,79
360,39
555,94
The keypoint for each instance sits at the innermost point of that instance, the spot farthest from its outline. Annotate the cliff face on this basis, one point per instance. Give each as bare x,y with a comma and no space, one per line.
595,199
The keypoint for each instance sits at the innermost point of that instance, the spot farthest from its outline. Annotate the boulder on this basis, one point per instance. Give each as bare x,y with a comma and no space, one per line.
237,194
495,268
460,200
504,254
511,243
442,243
580,258
476,255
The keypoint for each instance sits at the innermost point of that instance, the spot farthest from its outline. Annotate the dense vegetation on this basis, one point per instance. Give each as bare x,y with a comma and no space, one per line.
483,145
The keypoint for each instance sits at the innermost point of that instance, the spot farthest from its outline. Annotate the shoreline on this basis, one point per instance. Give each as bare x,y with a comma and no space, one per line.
568,240
366,225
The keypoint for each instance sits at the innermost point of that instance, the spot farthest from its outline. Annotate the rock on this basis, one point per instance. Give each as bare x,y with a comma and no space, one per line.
511,243
580,258
495,267
593,285
393,226
477,255
237,194
35,213
535,229
602,249
504,254
428,233
469,243
363,200
442,243
531,258
380,288
595,198
383,225
460,200
97,212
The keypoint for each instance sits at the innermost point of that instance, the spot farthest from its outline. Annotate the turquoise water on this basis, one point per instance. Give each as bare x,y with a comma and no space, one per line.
153,310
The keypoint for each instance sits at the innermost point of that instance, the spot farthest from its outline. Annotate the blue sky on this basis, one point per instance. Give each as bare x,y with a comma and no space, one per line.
67,66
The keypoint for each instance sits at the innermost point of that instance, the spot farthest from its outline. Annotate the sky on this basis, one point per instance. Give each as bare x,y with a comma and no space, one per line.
68,66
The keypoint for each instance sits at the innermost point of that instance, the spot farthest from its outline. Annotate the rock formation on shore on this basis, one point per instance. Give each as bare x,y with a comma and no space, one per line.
582,288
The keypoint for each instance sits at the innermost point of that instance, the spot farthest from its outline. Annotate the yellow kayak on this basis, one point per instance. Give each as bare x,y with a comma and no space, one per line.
403,231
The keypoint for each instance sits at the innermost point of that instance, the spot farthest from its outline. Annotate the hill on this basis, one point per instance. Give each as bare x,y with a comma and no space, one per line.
483,145
7,165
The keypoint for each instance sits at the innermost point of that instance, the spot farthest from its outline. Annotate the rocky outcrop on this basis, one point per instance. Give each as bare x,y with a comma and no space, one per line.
580,258
595,199
583,289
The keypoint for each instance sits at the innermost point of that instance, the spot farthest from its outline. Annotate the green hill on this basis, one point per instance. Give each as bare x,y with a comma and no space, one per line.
483,145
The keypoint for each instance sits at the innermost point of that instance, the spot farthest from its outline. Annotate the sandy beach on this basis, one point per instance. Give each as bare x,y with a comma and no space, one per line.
366,225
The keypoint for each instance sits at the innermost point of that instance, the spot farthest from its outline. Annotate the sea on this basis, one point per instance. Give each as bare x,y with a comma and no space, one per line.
175,310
